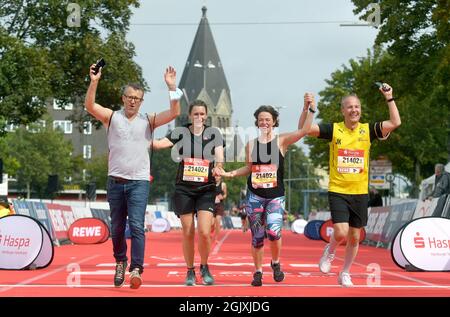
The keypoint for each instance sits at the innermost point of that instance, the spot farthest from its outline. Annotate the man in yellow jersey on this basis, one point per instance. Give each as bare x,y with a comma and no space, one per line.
350,142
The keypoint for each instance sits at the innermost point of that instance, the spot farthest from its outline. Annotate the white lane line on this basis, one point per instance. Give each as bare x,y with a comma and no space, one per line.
4,288
218,245
412,279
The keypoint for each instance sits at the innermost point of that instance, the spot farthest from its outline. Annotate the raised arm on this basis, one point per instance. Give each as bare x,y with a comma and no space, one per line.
394,116
287,139
314,128
170,77
100,113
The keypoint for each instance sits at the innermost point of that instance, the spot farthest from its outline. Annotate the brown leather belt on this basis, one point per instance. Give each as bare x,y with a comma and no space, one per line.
119,180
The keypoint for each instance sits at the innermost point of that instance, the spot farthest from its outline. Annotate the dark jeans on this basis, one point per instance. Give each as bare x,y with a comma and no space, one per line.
128,199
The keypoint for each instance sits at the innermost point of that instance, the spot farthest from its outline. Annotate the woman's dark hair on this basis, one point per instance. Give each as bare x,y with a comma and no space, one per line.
198,103
268,109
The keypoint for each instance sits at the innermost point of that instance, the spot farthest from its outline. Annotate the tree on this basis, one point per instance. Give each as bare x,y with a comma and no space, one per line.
39,152
416,35
97,171
164,171
43,57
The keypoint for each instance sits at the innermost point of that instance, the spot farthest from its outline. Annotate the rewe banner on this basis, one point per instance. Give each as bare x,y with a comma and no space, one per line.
88,231
24,243
425,244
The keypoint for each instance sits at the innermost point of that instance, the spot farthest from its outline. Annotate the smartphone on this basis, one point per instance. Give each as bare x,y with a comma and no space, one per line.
100,63
380,85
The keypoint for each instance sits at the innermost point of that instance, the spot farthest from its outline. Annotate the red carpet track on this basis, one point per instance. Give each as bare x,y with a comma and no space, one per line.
87,270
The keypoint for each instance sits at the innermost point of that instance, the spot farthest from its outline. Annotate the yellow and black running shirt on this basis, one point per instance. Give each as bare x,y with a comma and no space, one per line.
349,155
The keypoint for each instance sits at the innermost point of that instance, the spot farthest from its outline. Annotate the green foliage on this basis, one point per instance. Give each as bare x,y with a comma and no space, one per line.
97,171
412,54
164,171
32,156
42,57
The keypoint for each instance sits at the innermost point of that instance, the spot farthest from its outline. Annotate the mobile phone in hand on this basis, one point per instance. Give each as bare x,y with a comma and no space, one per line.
100,63
380,85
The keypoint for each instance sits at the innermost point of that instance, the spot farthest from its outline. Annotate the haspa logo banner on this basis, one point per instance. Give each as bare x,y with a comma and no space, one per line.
24,243
396,251
88,231
160,225
425,243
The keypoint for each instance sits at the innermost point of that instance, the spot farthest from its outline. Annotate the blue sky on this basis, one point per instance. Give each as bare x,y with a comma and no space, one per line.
264,63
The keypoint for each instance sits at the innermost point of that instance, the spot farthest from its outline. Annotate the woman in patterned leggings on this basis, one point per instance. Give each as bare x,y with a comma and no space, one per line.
264,204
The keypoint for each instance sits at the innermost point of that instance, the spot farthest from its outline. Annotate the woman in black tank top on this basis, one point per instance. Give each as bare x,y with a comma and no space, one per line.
265,195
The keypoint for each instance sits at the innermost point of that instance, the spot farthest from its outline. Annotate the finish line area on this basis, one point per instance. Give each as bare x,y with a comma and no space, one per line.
88,270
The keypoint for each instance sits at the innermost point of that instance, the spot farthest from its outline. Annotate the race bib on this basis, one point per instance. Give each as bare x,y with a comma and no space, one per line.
350,161
195,170
264,176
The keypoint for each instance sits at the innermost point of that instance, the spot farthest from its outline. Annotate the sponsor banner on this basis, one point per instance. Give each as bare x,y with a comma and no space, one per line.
41,212
425,208
24,243
81,212
312,229
61,217
425,243
399,215
376,221
378,171
45,257
174,221
160,225
298,226
326,230
104,214
323,215
446,209
88,231
396,252
22,207
237,222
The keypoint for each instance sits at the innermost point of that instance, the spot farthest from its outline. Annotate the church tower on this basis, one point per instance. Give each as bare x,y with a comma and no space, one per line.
204,78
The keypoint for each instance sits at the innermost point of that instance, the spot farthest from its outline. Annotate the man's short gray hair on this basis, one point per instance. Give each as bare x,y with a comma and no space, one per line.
135,86
439,167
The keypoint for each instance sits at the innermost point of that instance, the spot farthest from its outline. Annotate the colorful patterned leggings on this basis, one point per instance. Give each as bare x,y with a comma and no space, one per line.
265,216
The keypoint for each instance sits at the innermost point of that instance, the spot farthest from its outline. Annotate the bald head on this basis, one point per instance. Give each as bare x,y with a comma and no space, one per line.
349,99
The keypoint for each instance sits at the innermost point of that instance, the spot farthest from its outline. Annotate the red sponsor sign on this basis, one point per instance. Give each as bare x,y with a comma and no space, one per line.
88,231
326,230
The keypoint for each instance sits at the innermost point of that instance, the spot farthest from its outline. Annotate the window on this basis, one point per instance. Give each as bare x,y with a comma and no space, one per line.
87,128
36,126
11,127
68,106
87,151
64,125
84,175
68,179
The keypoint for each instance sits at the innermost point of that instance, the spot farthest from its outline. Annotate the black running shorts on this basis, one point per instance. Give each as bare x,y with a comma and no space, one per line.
187,200
349,208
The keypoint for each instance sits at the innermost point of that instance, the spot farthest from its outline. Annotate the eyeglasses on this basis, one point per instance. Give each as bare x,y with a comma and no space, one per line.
133,98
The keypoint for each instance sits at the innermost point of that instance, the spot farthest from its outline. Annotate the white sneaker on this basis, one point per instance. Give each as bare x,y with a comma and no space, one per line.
325,260
345,280
135,279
